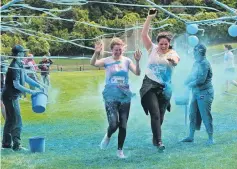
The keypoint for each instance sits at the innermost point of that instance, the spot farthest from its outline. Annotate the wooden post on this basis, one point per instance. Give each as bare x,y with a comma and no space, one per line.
83,62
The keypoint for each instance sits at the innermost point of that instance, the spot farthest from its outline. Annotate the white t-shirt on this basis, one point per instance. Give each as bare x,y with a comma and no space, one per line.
229,60
159,69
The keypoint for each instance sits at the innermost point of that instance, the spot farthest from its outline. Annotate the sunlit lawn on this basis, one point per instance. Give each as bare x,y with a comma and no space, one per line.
75,123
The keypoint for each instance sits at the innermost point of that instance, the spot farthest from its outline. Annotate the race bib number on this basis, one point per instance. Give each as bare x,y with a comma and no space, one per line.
117,80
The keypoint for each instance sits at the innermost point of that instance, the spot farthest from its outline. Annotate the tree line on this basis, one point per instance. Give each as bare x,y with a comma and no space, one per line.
44,34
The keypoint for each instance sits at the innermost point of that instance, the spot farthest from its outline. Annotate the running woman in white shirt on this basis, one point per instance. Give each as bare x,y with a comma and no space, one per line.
156,88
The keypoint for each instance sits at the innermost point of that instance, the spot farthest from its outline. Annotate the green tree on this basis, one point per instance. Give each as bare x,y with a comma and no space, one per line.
9,40
88,31
74,14
37,46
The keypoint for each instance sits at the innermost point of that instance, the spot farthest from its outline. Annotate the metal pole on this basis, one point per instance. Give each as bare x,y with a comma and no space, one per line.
83,62
186,114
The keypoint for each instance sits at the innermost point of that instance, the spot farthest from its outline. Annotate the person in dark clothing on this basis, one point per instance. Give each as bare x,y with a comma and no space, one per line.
44,67
3,74
14,87
200,81
156,88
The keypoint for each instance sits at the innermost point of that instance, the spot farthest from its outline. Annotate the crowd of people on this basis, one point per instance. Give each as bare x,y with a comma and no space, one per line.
155,91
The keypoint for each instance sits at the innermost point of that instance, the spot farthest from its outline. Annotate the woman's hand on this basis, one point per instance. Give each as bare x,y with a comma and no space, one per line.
137,55
172,61
98,47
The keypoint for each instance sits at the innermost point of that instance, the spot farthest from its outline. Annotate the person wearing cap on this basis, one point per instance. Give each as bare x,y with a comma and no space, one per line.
31,67
14,87
200,81
44,67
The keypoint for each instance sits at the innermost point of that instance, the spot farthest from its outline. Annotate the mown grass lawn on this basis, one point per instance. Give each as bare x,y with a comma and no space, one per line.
84,64
75,123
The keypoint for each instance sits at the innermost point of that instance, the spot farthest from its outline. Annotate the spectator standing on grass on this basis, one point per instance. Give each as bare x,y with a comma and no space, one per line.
229,63
200,81
44,66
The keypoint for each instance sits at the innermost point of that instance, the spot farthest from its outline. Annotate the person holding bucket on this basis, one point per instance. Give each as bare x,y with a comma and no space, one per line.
14,87
156,88
116,94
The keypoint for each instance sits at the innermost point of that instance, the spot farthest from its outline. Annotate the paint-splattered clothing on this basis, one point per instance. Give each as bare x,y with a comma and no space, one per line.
117,87
156,89
201,76
158,73
117,96
200,81
159,69
14,87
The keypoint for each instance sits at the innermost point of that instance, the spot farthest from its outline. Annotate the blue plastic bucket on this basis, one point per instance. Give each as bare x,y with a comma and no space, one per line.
37,144
39,102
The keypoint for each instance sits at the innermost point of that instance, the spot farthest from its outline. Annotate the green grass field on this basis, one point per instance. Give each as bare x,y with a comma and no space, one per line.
75,123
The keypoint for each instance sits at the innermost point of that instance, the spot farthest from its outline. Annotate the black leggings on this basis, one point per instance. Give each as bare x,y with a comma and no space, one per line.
117,114
157,103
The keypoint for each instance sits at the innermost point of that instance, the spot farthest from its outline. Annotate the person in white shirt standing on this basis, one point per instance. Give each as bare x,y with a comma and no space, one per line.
229,67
